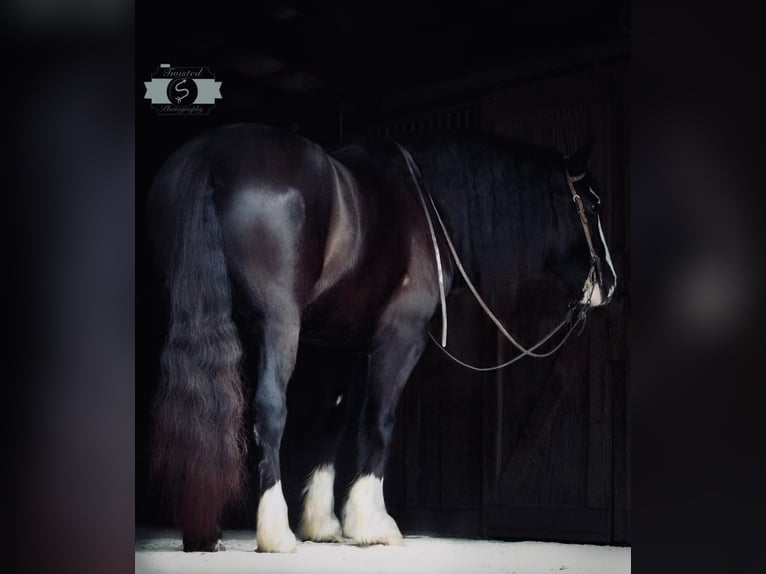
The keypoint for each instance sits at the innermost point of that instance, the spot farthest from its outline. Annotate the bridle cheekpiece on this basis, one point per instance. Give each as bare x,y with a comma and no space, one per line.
595,275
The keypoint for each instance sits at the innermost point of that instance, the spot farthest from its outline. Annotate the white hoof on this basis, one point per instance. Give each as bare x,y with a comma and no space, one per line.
318,521
365,519
273,533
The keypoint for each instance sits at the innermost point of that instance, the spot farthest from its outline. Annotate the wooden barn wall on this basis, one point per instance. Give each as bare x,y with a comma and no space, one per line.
540,450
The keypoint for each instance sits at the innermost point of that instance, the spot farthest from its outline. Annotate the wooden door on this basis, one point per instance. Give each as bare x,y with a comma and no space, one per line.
555,462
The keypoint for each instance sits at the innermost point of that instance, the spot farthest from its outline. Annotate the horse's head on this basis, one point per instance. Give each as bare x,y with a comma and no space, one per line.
594,260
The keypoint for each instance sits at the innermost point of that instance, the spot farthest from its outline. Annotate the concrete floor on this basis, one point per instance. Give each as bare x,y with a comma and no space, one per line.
160,551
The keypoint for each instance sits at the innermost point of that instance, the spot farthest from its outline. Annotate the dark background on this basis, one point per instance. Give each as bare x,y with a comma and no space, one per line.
541,450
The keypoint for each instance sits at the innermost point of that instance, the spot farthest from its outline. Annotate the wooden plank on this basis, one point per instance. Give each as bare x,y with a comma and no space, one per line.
619,349
492,432
461,416
599,401
514,468
460,397
621,453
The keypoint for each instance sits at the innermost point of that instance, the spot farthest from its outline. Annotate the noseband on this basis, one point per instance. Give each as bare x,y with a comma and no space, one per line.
576,315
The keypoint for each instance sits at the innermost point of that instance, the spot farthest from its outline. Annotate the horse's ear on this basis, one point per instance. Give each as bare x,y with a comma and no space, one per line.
578,161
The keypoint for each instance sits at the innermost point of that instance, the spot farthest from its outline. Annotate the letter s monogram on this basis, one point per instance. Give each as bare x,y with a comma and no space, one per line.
178,88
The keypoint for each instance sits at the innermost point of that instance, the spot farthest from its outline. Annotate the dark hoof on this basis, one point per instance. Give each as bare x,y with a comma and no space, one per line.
203,546
210,543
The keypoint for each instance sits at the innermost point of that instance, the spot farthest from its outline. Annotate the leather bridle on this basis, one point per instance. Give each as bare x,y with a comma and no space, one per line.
595,260
577,313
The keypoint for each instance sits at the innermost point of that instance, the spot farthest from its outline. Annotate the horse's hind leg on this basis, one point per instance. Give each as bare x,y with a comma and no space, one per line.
278,329
399,342
278,351
264,235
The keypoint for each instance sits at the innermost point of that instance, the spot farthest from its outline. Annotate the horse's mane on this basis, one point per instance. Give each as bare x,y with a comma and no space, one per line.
502,201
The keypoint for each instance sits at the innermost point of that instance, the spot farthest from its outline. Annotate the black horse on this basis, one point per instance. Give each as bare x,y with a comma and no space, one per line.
335,248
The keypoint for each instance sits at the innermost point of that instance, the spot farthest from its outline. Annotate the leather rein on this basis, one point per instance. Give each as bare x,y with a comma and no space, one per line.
577,313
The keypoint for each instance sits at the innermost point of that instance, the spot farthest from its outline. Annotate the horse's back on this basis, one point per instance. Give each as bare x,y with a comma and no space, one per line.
233,159
239,158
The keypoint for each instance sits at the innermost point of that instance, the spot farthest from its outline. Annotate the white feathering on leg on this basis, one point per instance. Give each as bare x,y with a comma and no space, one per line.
318,521
273,533
365,519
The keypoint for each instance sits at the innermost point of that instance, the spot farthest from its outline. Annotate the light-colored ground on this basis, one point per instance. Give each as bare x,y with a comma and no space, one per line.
160,552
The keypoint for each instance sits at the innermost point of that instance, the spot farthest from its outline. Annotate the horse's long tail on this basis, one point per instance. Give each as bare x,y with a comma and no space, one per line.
198,445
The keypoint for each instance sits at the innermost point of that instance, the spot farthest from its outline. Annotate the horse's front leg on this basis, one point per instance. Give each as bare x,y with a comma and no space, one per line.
398,344
319,522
